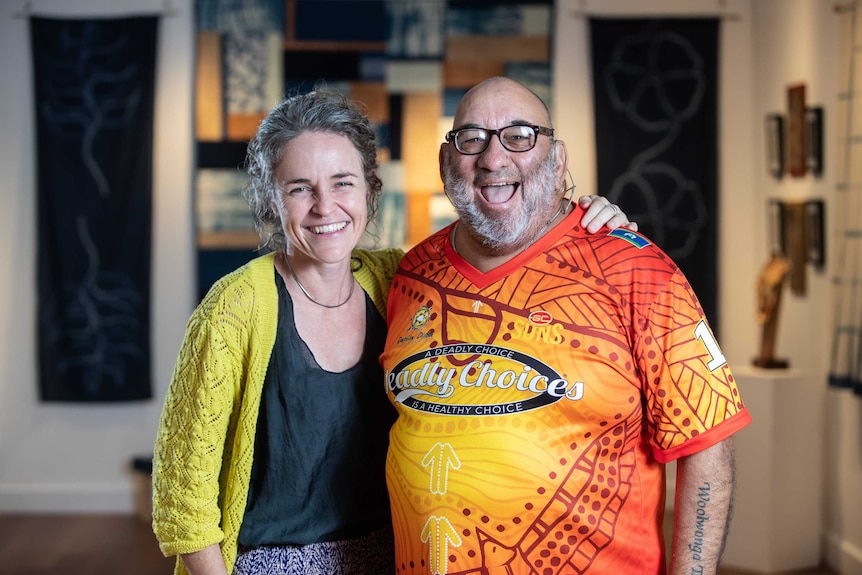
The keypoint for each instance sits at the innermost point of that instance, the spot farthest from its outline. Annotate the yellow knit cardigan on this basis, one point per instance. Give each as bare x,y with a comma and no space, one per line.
205,442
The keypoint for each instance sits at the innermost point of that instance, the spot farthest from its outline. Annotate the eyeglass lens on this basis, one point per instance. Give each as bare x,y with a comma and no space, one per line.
513,138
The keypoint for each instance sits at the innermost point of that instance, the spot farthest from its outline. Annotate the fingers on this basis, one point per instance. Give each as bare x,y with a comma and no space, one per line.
586,201
601,212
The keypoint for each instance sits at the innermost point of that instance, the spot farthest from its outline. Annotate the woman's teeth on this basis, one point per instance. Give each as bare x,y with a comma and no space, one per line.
328,228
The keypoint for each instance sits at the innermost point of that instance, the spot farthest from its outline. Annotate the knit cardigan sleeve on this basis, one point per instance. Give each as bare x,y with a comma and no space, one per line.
205,440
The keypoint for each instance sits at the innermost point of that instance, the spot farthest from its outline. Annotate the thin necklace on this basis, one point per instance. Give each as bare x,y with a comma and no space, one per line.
308,295
563,204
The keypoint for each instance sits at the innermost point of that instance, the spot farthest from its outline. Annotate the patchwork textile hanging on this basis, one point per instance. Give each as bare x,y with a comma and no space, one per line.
94,93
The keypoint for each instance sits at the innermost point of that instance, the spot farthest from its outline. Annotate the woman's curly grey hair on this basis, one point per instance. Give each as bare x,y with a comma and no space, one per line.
322,110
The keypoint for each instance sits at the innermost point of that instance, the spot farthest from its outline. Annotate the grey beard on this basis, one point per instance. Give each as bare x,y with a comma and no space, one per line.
503,236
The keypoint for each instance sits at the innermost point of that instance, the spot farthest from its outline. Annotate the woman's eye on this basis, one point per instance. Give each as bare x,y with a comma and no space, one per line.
299,190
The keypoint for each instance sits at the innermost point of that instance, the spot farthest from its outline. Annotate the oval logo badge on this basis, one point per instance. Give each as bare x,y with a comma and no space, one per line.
540,317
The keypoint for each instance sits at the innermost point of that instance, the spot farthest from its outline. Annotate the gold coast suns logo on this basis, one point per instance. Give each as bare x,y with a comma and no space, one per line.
540,317
540,327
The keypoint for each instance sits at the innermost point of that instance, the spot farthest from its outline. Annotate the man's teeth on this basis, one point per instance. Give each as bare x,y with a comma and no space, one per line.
328,228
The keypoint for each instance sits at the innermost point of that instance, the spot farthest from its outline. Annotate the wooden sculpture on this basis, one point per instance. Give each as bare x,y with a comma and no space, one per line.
770,283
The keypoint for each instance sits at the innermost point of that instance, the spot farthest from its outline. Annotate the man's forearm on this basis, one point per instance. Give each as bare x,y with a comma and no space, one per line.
702,510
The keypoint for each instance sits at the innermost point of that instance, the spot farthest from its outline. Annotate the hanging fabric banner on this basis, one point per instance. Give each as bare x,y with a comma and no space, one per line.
655,92
94,98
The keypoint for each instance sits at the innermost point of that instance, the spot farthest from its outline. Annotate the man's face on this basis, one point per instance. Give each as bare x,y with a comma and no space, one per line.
503,198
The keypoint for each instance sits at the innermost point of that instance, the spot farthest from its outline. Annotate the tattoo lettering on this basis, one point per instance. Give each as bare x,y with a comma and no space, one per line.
696,547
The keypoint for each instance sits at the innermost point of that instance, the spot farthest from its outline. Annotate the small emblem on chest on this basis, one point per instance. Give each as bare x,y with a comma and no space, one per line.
540,317
420,318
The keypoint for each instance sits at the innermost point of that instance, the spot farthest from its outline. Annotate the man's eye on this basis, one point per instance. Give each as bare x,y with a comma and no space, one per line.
468,137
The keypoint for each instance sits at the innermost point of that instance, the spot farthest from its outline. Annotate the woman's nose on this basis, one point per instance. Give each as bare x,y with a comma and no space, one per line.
324,204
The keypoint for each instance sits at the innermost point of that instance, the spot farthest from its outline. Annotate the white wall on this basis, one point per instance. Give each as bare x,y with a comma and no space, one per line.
798,41
64,457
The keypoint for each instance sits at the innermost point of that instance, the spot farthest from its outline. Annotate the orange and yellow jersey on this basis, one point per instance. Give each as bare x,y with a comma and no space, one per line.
538,402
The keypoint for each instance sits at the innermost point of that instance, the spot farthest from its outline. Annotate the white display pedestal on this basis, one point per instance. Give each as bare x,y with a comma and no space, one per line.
777,521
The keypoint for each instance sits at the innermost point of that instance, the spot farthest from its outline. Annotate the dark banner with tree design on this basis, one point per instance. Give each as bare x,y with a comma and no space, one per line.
655,84
94,91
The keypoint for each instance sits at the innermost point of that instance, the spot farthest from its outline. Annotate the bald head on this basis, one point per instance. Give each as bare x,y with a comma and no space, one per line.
499,93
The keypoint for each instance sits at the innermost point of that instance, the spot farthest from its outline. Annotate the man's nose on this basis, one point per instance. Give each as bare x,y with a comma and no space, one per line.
495,155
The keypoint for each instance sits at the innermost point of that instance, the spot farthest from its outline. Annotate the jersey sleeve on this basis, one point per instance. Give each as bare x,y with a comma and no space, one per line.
692,400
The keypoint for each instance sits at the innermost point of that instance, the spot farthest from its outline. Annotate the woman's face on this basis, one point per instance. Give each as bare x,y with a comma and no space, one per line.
322,196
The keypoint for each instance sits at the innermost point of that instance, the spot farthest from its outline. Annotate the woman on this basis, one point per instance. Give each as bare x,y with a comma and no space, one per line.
270,451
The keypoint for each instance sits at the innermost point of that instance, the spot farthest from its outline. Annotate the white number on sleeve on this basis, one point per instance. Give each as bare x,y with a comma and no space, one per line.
702,333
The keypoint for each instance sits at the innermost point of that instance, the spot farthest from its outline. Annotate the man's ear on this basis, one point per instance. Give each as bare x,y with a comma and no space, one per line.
441,159
561,158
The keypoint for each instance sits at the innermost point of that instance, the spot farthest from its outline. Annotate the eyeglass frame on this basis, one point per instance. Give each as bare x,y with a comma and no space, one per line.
451,136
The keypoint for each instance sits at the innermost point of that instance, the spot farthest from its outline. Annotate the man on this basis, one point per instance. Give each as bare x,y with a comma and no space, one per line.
543,376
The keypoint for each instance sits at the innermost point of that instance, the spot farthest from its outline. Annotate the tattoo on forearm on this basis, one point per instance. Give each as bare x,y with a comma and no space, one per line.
696,546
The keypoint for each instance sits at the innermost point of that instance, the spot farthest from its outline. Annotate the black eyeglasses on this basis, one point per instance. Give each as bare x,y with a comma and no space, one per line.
518,138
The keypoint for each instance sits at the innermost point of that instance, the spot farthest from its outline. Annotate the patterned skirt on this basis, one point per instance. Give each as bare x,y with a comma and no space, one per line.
372,554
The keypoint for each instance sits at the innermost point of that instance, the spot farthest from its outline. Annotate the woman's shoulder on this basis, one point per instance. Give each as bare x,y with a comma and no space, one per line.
247,284
375,272
383,260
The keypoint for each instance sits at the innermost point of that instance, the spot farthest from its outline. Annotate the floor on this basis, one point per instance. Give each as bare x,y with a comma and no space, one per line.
79,545
818,571
106,545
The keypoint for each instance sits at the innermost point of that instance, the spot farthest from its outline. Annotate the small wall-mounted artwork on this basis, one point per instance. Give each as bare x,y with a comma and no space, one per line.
776,226
814,139
796,130
814,236
797,233
775,144
795,245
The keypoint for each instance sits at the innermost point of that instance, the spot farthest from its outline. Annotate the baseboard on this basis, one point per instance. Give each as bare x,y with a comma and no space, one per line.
841,555
67,497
